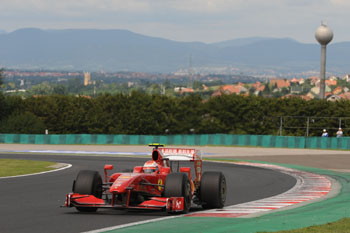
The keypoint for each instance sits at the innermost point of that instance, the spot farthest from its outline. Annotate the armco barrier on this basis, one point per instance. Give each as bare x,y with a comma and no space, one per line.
191,139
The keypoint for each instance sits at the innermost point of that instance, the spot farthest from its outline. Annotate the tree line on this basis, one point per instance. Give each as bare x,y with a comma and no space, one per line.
141,113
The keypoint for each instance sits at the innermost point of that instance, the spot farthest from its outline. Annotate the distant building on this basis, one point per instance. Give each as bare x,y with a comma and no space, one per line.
183,90
337,90
296,89
316,90
333,98
331,82
346,78
258,86
297,81
305,97
333,78
231,89
345,95
280,83
314,80
87,78
14,91
310,95
83,96
288,96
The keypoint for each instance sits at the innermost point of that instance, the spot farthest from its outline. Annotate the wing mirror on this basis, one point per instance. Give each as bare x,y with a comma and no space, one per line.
109,167
106,168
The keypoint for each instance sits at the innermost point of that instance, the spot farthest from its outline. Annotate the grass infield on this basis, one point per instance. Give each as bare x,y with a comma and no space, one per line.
14,167
341,226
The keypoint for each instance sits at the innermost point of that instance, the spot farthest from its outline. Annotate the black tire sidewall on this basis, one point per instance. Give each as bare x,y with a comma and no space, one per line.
88,182
211,194
178,185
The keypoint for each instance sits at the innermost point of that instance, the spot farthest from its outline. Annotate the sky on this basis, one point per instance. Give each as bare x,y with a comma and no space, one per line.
184,20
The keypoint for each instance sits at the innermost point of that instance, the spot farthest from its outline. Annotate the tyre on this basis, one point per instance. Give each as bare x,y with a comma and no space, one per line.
88,182
213,190
179,185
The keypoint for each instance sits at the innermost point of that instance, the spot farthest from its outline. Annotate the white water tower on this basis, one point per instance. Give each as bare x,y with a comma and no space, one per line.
323,35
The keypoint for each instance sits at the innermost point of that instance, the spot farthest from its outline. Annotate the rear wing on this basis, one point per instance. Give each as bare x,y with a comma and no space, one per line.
180,154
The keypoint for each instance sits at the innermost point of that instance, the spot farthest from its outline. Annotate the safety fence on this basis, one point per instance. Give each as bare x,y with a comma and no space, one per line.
191,139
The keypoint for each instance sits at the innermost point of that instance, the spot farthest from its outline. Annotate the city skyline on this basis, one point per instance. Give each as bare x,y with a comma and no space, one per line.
184,20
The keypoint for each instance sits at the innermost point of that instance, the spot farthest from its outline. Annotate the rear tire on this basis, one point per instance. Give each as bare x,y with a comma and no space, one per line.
88,182
213,190
179,185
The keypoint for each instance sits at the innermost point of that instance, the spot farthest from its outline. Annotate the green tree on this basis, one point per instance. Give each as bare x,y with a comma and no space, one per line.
167,84
197,85
188,112
252,90
75,85
22,123
142,113
154,89
59,89
9,105
267,91
41,89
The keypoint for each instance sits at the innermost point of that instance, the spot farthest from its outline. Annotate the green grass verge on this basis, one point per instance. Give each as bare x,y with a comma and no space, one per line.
341,226
14,167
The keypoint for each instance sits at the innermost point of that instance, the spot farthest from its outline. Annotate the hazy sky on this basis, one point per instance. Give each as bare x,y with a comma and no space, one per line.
184,20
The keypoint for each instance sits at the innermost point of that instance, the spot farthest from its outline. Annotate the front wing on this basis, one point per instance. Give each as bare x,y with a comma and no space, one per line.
170,204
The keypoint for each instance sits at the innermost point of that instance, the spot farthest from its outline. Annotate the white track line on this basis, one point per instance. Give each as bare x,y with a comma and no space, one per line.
39,173
309,187
77,152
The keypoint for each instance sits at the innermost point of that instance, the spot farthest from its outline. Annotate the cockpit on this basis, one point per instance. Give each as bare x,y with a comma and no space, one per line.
150,167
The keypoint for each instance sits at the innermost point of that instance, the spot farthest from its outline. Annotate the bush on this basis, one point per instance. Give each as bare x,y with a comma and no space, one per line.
22,123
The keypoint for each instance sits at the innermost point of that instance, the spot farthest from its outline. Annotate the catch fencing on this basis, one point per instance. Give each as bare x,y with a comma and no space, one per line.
310,125
190,140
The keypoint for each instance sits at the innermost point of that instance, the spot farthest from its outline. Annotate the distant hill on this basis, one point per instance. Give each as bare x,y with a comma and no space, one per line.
240,42
123,50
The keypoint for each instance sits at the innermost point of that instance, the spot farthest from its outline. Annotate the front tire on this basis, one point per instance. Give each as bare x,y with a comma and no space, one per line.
88,182
179,185
213,190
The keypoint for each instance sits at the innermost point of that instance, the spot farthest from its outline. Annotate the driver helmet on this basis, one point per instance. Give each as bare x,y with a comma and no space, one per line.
150,166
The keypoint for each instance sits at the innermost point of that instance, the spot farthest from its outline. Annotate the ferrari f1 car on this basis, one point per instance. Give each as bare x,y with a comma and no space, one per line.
157,185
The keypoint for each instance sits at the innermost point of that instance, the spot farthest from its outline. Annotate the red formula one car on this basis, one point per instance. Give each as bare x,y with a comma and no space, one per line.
156,185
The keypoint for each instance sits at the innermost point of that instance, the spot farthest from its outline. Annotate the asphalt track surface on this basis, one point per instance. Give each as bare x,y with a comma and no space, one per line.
32,203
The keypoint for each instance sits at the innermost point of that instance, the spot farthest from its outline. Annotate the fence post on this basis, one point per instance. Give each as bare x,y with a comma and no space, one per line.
307,126
281,125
